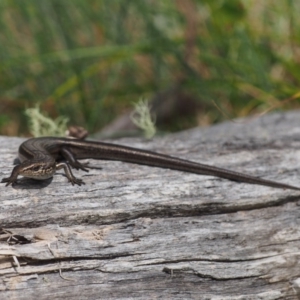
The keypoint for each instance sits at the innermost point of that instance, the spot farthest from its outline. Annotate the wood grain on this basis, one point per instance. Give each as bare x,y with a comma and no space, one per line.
145,233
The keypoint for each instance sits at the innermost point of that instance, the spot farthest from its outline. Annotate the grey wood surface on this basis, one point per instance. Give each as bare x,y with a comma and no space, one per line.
138,232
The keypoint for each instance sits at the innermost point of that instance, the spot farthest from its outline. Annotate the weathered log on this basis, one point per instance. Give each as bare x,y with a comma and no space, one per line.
142,232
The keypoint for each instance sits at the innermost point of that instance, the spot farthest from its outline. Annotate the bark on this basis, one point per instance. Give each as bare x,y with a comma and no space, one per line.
145,233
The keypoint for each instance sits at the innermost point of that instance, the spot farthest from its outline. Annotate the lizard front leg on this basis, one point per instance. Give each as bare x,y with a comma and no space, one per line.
69,174
69,156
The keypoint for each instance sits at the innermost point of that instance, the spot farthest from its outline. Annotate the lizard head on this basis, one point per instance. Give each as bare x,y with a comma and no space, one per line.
37,169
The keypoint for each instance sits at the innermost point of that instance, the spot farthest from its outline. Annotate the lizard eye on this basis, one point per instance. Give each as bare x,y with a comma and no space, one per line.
36,168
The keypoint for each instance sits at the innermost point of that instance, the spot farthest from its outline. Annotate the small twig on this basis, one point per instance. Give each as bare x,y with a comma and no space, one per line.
59,262
65,278
16,261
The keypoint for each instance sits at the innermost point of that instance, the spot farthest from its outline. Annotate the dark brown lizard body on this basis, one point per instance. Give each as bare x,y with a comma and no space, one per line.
41,157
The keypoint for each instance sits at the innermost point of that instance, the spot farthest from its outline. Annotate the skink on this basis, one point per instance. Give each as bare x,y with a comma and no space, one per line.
41,157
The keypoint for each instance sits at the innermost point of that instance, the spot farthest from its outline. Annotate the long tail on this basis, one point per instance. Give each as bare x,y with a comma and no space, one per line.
99,150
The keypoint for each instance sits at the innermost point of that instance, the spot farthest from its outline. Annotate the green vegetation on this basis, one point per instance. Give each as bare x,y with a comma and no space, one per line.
41,125
91,59
142,118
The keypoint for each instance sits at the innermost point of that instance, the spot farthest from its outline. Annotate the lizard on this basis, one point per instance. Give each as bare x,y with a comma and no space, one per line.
41,157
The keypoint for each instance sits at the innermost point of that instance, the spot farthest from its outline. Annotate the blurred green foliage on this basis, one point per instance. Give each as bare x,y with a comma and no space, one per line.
91,59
